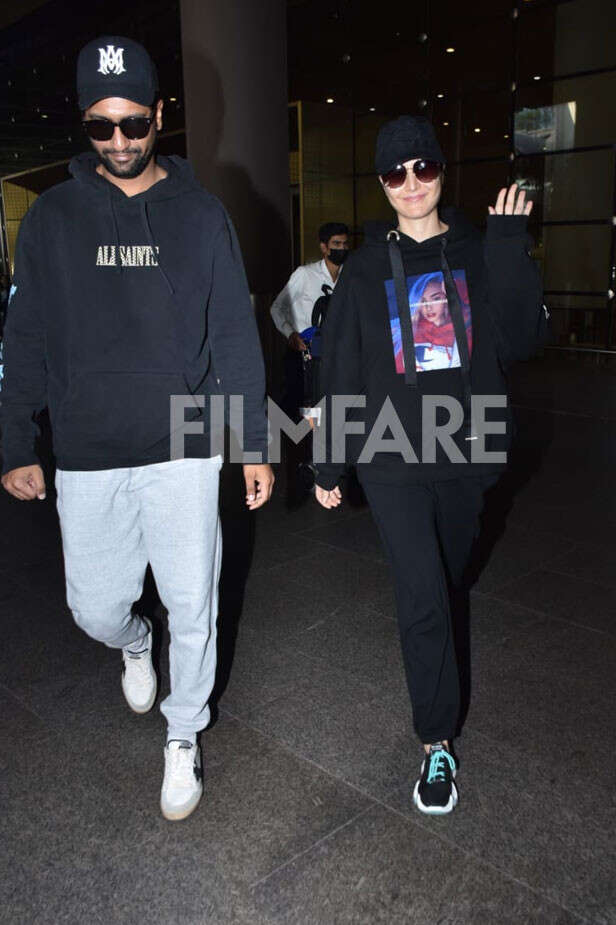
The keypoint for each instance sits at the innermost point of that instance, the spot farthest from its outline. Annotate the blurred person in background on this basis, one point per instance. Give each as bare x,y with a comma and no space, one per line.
292,313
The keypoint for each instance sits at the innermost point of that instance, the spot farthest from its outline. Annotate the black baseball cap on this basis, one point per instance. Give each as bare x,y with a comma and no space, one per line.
405,139
113,65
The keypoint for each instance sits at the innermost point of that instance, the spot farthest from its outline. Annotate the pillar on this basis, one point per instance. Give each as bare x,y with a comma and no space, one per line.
235,94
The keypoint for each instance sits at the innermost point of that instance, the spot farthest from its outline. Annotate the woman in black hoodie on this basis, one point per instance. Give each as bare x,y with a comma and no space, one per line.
426,319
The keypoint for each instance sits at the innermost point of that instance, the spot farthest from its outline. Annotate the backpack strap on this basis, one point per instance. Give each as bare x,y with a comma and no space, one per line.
320,306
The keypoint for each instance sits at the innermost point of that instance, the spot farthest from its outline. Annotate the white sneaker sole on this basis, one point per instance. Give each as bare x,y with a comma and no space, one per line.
176,814
436,810
138,707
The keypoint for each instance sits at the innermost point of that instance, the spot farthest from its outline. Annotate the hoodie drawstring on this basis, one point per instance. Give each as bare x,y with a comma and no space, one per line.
143,208
146,224
459,327
402,299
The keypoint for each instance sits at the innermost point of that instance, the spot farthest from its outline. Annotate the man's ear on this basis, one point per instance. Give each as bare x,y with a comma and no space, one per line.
323,248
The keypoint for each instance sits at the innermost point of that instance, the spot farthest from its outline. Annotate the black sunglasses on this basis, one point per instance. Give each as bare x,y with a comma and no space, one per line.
425,171
133,127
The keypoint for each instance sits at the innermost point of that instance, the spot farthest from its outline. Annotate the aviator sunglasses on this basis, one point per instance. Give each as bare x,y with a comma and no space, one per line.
133,127
425,171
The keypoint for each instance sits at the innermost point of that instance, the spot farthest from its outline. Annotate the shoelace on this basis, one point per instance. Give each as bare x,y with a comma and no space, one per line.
139,666
181,764
436,770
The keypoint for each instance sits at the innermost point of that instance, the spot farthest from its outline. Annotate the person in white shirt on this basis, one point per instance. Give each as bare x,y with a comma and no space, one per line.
292,313
292,309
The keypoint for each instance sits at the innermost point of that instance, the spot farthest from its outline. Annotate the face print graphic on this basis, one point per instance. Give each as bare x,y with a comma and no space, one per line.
433,330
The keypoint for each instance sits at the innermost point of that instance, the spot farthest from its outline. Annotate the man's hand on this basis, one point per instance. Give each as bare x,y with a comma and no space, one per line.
25,483
295,342
511,202
259,484
328,498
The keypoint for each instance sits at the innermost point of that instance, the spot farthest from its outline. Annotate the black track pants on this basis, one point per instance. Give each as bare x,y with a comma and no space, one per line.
428,531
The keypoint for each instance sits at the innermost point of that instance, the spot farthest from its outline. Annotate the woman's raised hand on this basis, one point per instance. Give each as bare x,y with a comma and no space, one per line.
511,201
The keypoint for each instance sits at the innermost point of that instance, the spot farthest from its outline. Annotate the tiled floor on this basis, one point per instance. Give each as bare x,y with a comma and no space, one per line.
307,816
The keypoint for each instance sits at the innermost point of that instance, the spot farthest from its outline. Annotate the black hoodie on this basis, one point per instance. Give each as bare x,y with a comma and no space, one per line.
119,302
499,305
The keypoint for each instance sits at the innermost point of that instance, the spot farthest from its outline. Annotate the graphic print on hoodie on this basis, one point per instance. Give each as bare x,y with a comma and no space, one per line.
494,273
433,330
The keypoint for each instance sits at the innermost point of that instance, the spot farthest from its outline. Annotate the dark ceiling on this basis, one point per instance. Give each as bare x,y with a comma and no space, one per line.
391,58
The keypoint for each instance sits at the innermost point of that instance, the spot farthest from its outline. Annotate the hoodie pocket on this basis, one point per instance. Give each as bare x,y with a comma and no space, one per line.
123,414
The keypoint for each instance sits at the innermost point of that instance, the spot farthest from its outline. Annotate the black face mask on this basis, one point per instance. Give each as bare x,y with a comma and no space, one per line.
338,255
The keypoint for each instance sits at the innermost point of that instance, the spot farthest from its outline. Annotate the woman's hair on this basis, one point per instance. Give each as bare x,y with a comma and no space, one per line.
418,288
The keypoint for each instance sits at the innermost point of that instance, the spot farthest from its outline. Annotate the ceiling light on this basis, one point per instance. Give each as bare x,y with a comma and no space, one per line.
477,130
329,99
450,50
173,99
440,96
505,136
373,109
445,123
44,116
537,77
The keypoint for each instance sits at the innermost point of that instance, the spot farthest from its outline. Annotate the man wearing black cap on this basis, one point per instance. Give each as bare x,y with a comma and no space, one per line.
427,316
129,289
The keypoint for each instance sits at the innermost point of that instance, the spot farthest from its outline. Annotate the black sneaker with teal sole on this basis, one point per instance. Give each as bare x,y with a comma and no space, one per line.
435,791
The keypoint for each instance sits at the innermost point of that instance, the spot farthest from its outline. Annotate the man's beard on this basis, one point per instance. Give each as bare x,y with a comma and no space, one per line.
131,169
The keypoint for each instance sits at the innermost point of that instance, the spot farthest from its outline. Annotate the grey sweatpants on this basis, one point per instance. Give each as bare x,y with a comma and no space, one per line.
115,521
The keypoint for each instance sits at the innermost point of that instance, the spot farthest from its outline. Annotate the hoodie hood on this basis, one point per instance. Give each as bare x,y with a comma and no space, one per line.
180,178
460,229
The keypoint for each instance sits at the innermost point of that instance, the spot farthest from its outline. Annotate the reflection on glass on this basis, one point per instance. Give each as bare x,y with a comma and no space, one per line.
591,122
545,128
568,187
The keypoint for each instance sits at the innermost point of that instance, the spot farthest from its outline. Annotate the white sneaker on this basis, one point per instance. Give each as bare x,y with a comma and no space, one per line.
139,678
183,781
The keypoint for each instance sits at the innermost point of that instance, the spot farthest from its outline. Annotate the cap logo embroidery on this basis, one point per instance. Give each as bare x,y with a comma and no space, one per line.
111,60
